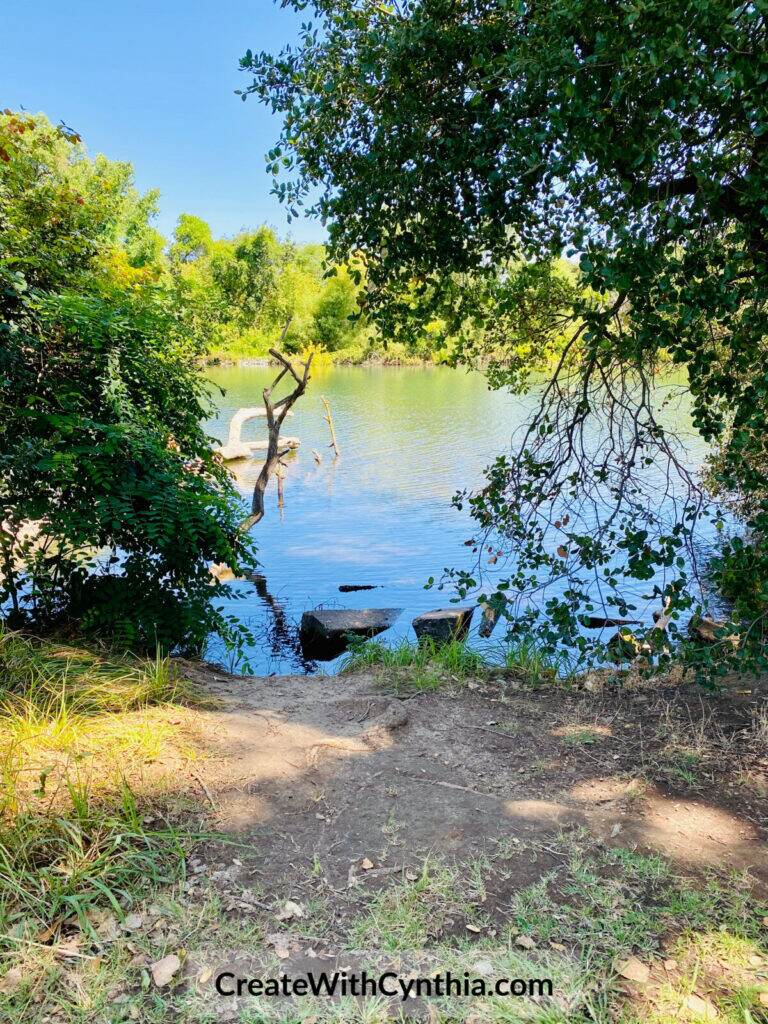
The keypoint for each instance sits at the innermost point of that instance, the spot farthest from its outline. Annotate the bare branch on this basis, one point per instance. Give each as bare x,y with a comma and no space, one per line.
276,413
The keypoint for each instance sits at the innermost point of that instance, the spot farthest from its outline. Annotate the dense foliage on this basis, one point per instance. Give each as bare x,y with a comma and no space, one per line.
458,149
112,503
250,290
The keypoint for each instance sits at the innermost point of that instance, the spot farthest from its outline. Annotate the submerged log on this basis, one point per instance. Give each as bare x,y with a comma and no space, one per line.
599,622
245,449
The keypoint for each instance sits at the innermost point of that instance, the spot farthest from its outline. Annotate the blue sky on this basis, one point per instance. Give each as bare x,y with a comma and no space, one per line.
153,83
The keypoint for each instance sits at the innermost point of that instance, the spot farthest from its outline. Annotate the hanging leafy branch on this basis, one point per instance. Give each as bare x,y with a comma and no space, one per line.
458,148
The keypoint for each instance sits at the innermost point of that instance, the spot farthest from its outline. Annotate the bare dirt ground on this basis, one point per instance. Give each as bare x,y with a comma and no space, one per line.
606,837
342,769
609,837
487,825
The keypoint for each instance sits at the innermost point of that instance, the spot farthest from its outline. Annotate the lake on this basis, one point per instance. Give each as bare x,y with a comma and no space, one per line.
381,514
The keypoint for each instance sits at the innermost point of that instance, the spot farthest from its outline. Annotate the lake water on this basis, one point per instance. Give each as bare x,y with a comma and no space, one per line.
381,514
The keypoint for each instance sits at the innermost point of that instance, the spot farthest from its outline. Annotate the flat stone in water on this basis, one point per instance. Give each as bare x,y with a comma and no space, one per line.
325,631
330,622
444,624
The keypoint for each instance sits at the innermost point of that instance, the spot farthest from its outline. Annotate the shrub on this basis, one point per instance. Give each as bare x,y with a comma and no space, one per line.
112,503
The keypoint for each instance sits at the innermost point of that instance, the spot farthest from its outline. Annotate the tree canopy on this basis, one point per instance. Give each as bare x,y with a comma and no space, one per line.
458,149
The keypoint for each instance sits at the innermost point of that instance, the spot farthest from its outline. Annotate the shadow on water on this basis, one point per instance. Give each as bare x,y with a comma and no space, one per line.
281,635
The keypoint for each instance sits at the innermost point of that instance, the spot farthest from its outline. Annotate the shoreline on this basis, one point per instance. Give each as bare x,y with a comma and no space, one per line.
246,362
492,809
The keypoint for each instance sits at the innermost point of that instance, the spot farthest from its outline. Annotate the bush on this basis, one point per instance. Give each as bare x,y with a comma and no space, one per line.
112,502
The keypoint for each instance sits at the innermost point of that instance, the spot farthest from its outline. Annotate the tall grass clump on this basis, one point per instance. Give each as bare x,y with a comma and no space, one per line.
74,724
56,866
44,673
424,665
526,659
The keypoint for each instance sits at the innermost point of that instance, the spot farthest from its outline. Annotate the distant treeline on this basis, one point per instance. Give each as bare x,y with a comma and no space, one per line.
243,294
247,292
236,297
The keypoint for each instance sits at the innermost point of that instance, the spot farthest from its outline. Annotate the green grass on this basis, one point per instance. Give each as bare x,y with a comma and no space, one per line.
616,901
406,916
59,866
526,658
46,675
75,726
423,666
426,665
581,737
598,907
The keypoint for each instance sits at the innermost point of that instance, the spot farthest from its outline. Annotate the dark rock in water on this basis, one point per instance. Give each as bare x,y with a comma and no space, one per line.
325,632
444,624
624,646
598,622
317,648
350,588
331,622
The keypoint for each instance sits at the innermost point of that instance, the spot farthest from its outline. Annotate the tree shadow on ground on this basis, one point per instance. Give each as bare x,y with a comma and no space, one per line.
336,770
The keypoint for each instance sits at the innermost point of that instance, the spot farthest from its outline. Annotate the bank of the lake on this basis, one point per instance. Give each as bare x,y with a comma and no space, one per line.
393,355
162,822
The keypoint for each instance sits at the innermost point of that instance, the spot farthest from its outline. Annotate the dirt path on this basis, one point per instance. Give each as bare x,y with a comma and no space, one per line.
335,771
486,830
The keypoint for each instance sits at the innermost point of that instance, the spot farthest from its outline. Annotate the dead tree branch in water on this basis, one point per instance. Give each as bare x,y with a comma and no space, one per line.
329,420
276,413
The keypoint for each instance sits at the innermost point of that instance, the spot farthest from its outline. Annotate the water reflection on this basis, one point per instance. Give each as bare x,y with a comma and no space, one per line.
381,514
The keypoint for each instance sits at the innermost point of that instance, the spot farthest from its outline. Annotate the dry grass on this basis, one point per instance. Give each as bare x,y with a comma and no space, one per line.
83,800
71,717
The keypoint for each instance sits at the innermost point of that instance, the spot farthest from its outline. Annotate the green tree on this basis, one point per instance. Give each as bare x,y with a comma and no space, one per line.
338,303
143,244
112,504
192,239
245,273
444,139
294,299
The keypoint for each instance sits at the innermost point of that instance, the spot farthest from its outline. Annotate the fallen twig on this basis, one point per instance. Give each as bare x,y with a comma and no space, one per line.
483,728
446,785
205,789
